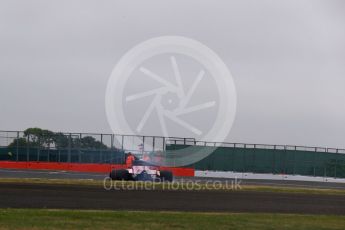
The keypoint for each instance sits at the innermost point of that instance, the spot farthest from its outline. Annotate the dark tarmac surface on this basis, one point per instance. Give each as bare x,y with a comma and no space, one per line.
54,196
13,173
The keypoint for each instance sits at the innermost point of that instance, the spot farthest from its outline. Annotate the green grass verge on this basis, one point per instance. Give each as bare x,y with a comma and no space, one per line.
68,219
182,186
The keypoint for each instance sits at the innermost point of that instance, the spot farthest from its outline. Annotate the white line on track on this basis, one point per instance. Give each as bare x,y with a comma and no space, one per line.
52,172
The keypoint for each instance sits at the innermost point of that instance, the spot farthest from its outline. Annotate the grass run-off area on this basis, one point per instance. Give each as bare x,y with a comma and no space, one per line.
181,186
72,219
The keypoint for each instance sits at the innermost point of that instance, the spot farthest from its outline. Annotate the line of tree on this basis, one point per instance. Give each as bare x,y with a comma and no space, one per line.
43,138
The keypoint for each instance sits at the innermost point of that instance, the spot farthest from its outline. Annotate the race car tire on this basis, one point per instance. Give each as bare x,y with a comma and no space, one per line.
120,174
166,176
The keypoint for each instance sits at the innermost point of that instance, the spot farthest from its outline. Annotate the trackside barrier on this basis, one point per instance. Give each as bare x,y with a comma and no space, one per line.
75,167
90,149
184,172
275,160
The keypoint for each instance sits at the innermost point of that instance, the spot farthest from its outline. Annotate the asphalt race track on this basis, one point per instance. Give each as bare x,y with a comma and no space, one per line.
44,174
54,196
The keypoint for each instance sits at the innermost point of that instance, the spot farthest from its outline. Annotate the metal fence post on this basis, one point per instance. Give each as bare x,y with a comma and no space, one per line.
284,167
122,140
100,150
153,144
48,156
17,151
244,157
335,168
253,159
79,148
112,141
294,161
314,161
234,158
27,148
69,148
122,143
112,156
38,153
274,159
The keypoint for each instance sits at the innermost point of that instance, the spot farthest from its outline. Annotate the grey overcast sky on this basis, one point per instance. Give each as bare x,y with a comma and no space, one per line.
287,59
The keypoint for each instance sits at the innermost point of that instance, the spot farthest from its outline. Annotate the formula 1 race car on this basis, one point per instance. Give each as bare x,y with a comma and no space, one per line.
142,171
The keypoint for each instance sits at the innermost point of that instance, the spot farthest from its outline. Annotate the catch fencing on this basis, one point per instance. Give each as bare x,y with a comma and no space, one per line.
77,147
